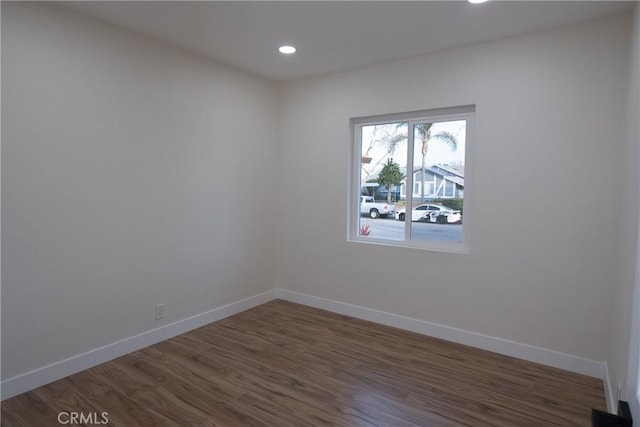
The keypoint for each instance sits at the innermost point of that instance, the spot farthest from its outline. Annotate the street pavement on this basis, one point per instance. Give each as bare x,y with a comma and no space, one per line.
391,229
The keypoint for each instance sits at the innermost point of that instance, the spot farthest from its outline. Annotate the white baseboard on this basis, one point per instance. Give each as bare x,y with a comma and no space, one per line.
55,371
528,352
609,394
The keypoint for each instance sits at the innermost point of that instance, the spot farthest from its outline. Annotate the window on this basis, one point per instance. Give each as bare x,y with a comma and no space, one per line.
410,179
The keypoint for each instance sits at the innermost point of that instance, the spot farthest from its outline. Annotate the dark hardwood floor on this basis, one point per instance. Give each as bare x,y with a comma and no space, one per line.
283,364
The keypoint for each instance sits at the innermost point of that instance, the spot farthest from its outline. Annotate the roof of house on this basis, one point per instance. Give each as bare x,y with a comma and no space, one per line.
457,170
452,173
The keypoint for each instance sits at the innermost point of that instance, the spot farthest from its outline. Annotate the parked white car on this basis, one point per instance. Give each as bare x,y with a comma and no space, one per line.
431,213
374,209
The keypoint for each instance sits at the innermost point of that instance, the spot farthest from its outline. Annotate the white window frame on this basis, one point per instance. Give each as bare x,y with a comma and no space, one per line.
466,113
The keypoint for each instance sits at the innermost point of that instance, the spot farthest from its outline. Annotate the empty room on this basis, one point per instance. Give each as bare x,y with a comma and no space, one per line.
320,213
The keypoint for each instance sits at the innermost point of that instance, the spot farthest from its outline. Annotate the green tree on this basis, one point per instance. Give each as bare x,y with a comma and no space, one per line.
423,131
389,176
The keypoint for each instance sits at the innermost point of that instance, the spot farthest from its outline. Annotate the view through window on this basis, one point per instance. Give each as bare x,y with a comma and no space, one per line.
411,178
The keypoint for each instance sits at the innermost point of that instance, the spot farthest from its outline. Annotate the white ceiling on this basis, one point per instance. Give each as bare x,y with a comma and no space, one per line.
332,36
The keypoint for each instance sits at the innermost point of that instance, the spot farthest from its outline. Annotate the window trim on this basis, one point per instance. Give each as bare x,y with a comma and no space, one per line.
467,113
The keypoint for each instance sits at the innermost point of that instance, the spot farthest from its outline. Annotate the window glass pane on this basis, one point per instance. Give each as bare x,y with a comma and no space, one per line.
438,171
383,166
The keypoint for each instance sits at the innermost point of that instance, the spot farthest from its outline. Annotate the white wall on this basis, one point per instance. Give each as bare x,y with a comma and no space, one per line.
550,111
133,173
621,367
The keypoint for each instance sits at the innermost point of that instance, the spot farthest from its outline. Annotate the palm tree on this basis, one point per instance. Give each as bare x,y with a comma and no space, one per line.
423,131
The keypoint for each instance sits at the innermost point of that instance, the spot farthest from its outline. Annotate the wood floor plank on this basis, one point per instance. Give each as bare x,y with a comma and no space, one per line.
120,410
64,396
284,364
26,410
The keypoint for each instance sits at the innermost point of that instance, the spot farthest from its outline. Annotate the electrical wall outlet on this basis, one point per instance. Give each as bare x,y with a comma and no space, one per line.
159,311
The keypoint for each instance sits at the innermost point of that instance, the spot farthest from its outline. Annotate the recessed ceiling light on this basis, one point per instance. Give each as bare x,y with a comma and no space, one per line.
287,50
477,1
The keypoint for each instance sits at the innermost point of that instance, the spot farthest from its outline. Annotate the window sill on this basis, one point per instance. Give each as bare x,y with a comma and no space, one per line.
447,247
